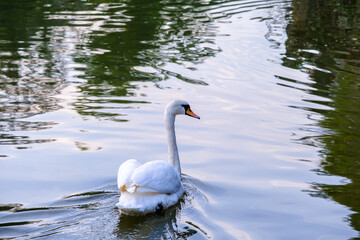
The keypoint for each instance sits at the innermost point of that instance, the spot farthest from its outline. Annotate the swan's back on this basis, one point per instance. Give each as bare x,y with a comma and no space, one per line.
144,187
159,176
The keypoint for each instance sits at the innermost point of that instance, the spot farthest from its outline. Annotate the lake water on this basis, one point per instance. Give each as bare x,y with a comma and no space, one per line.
83,86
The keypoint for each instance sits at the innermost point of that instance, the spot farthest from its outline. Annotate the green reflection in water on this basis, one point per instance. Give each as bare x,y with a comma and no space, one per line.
324,41
103,45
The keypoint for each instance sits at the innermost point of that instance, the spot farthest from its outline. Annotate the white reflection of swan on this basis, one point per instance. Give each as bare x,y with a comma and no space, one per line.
157,184
184,220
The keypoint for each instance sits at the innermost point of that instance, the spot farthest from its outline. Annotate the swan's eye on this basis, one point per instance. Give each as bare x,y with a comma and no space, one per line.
185,106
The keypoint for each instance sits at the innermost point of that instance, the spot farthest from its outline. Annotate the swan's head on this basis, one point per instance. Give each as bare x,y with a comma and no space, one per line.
177,107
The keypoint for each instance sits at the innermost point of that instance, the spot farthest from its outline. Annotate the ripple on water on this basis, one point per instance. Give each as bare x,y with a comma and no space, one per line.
94,213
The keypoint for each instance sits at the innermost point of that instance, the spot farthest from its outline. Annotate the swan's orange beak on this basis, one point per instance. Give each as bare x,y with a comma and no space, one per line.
191,113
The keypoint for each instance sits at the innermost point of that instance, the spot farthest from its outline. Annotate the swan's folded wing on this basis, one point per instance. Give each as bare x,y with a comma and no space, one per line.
156,176
125,173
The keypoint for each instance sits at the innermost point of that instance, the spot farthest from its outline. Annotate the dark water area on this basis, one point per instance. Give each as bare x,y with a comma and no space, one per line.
333,31
83,86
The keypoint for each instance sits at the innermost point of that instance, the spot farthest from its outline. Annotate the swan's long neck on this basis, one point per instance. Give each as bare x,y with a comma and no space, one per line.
171,138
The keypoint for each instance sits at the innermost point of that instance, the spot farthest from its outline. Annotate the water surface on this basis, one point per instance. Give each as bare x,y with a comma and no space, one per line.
84,85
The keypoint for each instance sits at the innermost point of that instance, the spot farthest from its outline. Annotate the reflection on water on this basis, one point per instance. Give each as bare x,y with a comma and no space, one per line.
170,33
82,83
324,42
164,226
181,221
101,46
21,99
91,214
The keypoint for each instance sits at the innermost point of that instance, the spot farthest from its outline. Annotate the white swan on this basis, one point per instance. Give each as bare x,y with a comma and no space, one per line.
157,184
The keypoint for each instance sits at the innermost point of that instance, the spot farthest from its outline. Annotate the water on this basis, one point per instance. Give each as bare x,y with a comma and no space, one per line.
84,85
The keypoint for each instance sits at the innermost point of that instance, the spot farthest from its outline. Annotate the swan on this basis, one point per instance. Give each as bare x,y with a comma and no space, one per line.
155,185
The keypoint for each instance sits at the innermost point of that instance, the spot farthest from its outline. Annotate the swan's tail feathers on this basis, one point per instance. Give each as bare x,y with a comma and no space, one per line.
132,188
125,173
128,188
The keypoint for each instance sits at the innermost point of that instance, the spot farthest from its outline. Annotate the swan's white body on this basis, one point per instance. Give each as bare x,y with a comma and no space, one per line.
144,187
